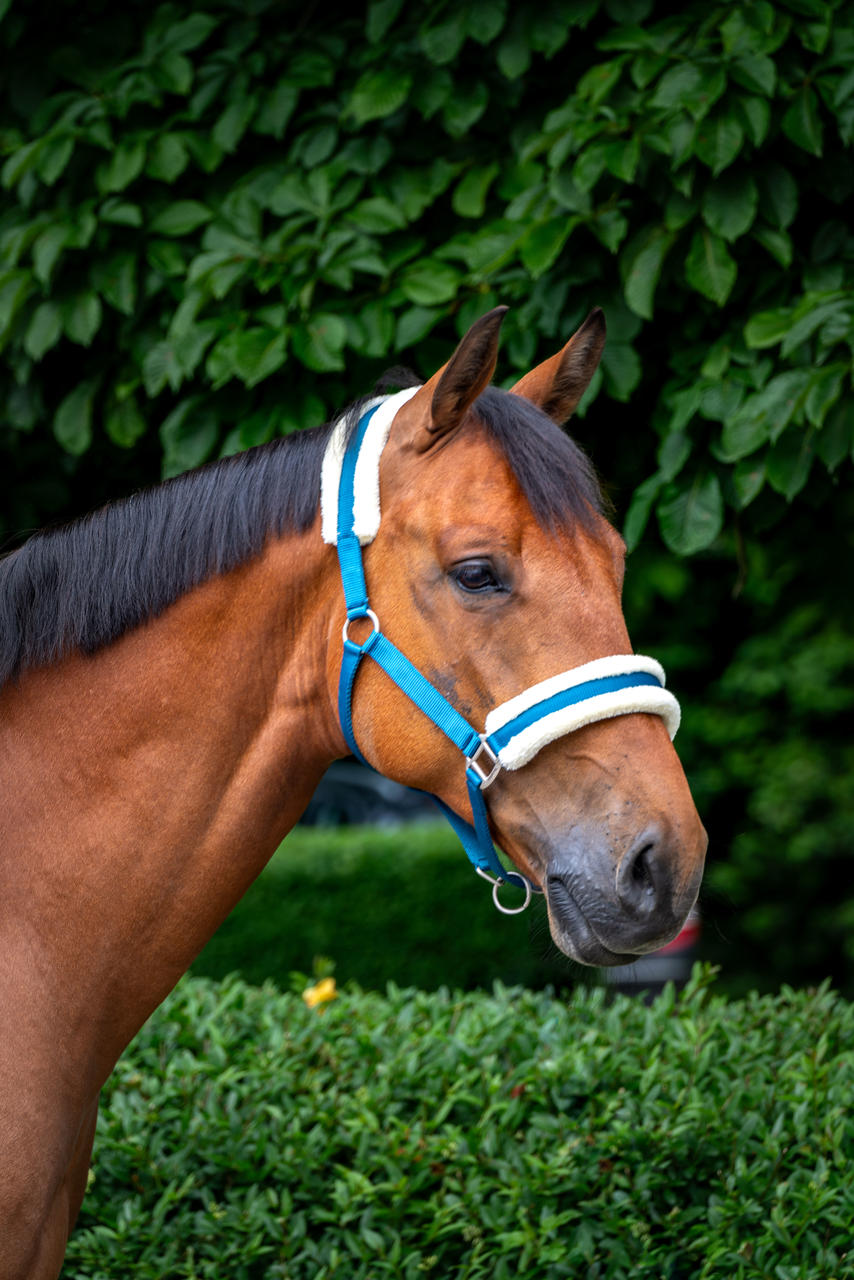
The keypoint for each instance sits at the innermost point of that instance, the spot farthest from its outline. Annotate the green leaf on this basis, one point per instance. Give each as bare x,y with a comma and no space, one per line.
789,462
248,354
836,437
234,122
173,72
123,166
72,424
709,268
748,479
691,87
802,124
464,108
673,452
756,72
378,94
809,315
124,423
718,142
167,158
763,415
83,317
755,114
640,266
442,43
598,82
825,388
381,15
46,250
778,244
276,109
690,518
778,194
767,328
430,282
115,280
160,366
543,243
180,218
469,198
639,510
377,214
514,54
485,19
320,342
44,329
729,204
54,157
414,325
20,163
190,32
622,368
188,436
121,212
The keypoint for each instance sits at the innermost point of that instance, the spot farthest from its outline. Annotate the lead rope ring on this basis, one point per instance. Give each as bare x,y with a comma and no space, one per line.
497,884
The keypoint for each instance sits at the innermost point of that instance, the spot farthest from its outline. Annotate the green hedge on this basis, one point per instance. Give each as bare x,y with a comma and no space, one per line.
400,905
480,1137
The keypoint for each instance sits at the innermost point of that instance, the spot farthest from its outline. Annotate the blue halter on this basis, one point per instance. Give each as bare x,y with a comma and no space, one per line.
482,752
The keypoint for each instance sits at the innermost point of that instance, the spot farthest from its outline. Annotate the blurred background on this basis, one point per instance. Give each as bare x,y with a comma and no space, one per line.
221,222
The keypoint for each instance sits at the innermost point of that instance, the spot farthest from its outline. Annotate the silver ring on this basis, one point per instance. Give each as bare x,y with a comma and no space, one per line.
369,613
497,884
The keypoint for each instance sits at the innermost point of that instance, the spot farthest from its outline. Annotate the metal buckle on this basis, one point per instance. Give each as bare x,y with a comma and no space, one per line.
369,613
473,763
497,884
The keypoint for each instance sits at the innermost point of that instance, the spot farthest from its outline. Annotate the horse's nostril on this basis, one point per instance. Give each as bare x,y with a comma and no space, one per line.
642,879
640,871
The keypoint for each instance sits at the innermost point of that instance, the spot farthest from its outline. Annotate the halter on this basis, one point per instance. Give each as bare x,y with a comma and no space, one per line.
514,731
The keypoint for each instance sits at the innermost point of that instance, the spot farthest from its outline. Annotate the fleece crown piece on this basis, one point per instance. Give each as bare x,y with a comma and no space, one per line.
366,482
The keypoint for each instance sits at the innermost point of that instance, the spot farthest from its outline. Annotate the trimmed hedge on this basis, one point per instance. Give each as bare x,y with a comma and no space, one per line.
399,904
246,1136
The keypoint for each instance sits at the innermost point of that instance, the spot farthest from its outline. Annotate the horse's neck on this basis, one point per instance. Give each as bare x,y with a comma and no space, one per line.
145,787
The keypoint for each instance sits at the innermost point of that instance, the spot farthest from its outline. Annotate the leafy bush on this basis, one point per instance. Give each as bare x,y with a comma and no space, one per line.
198,198
401,905
246,1135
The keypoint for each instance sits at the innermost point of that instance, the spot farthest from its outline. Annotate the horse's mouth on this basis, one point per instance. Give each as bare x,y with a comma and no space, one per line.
573,933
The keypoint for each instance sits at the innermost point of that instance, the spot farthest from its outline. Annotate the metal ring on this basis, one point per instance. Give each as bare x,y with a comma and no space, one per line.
497,884
369,613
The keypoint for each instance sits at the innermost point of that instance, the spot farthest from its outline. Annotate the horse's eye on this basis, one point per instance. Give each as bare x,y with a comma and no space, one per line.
476,575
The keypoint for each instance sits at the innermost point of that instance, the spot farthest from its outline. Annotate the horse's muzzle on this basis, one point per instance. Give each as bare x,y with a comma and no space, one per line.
607,912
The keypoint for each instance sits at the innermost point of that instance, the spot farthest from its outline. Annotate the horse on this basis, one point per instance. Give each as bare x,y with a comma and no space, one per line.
171,692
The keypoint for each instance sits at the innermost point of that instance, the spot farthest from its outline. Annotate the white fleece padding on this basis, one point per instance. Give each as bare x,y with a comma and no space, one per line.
524,745
366,483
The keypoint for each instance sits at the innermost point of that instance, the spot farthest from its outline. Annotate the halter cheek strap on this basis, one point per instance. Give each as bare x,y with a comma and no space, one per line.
517,729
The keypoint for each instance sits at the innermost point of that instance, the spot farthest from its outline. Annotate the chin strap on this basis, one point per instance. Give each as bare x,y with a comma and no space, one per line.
517,729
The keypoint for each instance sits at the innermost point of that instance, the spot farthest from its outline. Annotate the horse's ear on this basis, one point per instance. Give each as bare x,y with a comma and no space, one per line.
450,393
557,385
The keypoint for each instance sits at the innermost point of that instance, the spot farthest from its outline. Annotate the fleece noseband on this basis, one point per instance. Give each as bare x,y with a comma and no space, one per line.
514,731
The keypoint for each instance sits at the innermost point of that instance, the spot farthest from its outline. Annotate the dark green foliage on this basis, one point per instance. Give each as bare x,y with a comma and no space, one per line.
201,198
220,224
475,1136
401,905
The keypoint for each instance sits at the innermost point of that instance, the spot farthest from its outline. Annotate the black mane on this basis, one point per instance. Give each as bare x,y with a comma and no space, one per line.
83,586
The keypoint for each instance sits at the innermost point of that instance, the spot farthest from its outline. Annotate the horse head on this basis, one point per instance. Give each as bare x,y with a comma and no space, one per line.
493,569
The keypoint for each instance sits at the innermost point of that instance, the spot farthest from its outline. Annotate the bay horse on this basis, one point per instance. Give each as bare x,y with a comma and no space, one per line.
169,699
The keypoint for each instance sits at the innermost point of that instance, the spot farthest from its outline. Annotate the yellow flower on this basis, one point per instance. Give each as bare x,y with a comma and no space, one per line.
320,993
